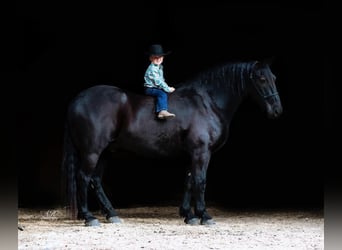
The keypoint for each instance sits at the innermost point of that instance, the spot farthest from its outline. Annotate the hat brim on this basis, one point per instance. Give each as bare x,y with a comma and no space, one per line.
158,54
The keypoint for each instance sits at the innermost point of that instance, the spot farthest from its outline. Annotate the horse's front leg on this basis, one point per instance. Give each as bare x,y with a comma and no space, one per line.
199,175
185,208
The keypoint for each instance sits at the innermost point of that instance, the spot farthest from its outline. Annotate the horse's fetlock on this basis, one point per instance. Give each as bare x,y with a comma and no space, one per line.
185,212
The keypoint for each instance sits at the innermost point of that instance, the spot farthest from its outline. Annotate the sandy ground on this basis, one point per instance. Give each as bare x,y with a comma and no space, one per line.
162,228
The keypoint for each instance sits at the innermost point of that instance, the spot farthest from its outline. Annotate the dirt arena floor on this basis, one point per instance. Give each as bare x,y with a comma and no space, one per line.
161,228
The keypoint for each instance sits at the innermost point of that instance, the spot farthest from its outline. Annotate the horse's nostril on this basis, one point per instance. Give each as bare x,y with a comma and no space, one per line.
279,111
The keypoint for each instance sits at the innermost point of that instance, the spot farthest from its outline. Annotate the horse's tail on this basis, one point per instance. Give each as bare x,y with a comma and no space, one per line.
69,168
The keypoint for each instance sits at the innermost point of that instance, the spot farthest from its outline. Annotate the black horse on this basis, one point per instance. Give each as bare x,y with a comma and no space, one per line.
107,118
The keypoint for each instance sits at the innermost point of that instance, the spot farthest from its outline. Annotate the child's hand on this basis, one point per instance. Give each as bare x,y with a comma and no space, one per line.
172,89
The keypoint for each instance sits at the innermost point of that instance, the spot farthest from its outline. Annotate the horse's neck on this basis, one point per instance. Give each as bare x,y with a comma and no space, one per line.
227,101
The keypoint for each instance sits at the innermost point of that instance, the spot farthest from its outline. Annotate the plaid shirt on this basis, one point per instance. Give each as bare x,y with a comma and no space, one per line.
154,78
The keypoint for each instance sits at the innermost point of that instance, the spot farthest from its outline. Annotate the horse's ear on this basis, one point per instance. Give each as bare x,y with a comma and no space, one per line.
264,62
257,64
269,60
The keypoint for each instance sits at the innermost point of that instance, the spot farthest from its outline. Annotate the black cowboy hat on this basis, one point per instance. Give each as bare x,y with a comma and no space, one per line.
157,50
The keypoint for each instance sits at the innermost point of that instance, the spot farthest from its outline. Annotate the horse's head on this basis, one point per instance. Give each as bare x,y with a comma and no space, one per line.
264,89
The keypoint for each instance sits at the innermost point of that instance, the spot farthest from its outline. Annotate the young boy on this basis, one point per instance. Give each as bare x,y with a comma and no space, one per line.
155,84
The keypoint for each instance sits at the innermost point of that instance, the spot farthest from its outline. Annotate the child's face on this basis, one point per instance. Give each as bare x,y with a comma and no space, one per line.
157,59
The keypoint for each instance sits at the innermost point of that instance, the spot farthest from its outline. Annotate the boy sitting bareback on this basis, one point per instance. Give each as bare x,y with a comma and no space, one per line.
155,84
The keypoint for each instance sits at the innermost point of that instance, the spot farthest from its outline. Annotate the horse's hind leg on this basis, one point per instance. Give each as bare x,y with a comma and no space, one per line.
83,180
106,205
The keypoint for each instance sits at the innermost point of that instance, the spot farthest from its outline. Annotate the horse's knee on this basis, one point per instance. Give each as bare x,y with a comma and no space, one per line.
188,181
199,184
89,163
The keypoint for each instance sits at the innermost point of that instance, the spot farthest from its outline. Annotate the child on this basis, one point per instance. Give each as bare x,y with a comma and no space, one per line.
155,84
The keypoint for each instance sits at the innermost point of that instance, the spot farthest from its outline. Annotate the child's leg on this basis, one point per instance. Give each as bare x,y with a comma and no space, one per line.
161,98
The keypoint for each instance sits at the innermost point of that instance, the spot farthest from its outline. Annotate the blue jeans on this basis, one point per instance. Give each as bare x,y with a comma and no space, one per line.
161,98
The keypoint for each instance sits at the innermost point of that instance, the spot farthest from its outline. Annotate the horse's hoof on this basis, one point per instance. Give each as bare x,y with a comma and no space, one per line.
208,222
92,223
114,219
192,221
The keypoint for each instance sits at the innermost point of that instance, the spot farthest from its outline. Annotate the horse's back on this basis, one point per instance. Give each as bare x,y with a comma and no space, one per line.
104,108
99,95
99,99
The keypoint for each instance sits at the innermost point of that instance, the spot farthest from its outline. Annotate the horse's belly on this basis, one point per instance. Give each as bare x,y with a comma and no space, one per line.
145,149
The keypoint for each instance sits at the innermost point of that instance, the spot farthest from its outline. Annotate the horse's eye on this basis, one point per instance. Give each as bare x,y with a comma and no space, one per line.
262,78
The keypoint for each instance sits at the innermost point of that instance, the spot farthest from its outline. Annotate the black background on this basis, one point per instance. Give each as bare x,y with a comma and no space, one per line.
64,48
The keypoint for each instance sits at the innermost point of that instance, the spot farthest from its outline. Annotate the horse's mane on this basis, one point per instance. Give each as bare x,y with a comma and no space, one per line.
231,75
